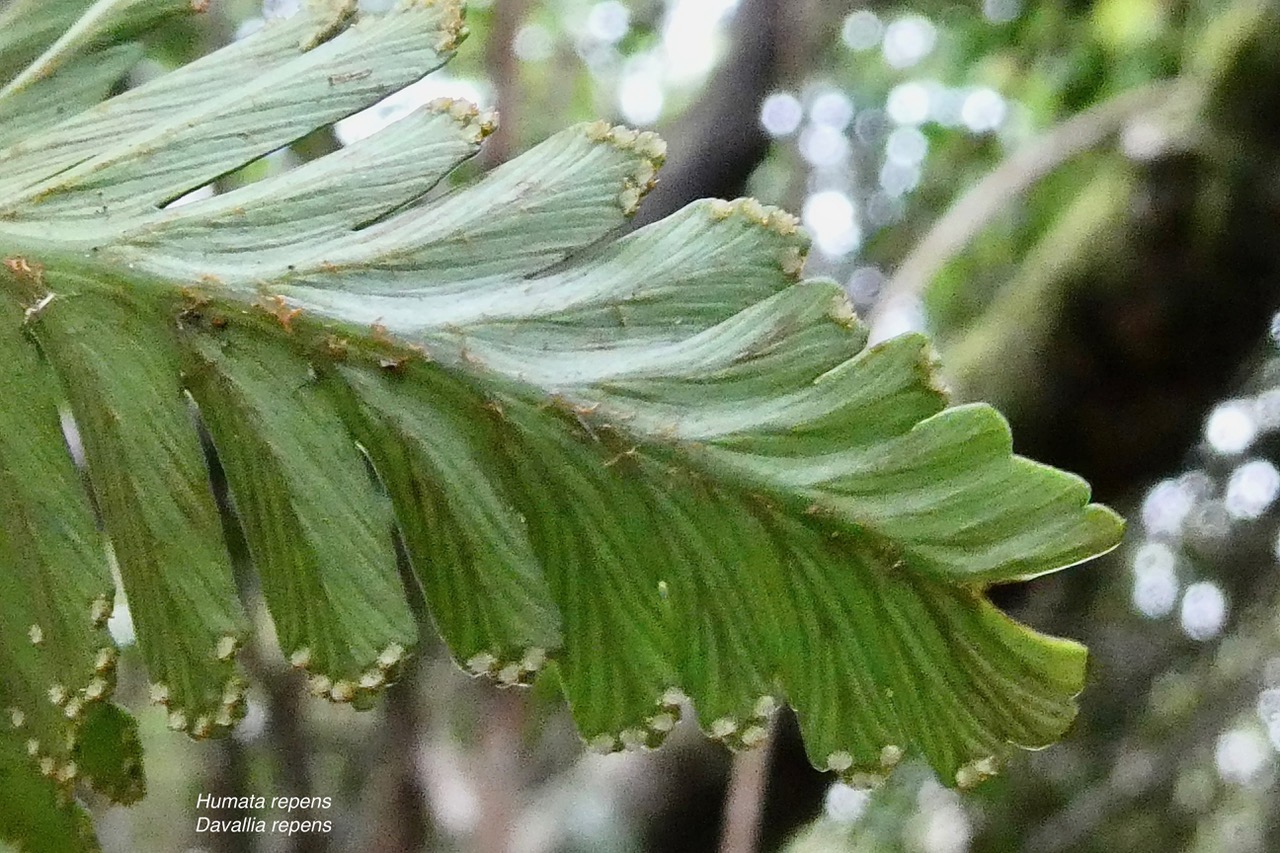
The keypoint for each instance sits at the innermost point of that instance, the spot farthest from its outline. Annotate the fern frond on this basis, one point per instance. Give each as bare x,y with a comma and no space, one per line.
666,463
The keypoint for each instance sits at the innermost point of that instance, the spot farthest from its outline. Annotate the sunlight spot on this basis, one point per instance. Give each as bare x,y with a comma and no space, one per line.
781,114
1243,757
845,804
862,30
608,22
1144,140
946,105
897,179
1209,519
451,786
1269,713
1001,11
983,110
71,435
907,146
831,219
254,723
832,109
1252,488
901,315
198,194
1204,610
1266,409
1196,483
908,103
1231,427
823,146
533,43
1166,506
395,107
1155,580
908,40
280,8
120,625
248,27
690,37
640,98
943,826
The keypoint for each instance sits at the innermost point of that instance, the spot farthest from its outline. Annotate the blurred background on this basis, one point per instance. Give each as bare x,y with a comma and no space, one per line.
1081,202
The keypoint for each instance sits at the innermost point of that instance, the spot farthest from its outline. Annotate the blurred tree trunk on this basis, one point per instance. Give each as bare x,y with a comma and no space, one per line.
396,819
504,72
719,142
226,775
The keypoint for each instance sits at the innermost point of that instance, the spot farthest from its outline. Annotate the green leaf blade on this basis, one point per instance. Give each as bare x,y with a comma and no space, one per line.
121,373
429,440
319,534
38,815
56,591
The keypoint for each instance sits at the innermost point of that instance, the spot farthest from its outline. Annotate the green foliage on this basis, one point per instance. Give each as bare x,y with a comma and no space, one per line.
665,462
36,813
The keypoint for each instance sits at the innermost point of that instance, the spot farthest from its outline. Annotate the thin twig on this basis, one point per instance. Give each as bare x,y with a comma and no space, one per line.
500,783
227,776
744,804
394,802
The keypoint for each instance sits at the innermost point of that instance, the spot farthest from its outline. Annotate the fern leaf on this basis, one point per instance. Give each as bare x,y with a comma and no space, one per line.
665,462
